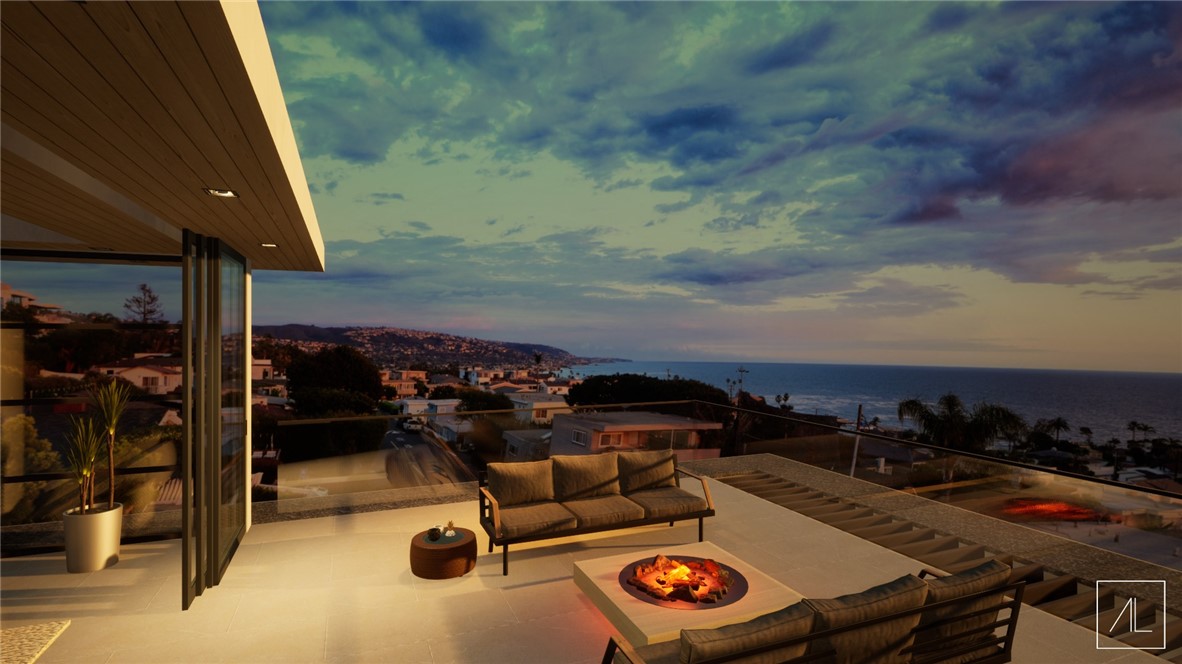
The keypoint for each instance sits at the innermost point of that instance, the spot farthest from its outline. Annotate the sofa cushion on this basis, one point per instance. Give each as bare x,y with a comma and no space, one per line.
585,476
536,519
519,483
604,510
646,470
792,621
881,642
992,574
669,501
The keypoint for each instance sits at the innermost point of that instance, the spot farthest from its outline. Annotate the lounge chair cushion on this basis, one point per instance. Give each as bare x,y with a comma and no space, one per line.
992,574
646,470
585,476
879,643
604,510
535,519
521,483
668,501
792,621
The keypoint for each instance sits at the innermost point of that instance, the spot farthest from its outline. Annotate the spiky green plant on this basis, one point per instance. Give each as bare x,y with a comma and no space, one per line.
84,441
110,400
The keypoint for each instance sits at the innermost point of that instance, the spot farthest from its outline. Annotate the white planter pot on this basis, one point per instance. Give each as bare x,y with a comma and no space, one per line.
92,539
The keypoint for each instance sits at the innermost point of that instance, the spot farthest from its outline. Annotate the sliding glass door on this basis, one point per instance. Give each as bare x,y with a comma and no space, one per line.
216,352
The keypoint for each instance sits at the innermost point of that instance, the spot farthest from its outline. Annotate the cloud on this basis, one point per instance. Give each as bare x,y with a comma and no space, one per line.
791,51
382,198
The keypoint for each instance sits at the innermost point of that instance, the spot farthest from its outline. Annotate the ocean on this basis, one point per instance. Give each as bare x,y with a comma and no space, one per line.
1103,401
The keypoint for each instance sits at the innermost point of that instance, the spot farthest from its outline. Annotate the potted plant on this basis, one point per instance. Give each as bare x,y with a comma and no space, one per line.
93,532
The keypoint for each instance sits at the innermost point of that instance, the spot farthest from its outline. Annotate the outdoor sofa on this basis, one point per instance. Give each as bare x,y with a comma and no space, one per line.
585,493
949,618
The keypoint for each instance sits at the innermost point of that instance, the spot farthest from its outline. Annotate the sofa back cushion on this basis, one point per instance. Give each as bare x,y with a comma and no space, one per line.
990,575
702,644
880,642
520,483
650,469
585,476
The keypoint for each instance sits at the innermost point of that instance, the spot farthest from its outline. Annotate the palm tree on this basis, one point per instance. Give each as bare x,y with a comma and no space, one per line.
951,425
1133,426
1086,432
1058,425
1145,429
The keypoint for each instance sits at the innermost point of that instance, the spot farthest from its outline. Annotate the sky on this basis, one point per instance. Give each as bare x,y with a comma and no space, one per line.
967,184
892,183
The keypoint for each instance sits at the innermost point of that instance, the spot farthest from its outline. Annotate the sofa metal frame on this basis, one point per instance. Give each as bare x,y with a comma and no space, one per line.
490,519
926,653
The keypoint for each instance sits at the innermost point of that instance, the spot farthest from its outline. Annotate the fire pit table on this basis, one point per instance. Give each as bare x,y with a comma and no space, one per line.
646,622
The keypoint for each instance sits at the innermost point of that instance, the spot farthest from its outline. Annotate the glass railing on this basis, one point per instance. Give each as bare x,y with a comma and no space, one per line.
313,467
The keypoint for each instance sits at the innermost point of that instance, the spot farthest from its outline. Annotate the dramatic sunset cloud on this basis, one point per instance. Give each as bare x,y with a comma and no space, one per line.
992,184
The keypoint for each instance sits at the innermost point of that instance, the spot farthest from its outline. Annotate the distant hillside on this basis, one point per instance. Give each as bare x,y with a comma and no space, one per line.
398,347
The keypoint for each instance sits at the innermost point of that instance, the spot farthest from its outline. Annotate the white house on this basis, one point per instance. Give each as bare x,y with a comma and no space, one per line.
537,407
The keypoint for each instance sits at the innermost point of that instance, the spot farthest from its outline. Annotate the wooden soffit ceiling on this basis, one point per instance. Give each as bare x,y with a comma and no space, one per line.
117,115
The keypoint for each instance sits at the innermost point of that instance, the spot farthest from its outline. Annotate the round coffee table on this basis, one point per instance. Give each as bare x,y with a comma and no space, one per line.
446,557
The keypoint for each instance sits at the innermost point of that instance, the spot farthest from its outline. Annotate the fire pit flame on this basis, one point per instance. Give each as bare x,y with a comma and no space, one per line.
672,580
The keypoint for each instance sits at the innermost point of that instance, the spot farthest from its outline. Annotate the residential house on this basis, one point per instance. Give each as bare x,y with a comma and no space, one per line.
527,445
537,407
591,433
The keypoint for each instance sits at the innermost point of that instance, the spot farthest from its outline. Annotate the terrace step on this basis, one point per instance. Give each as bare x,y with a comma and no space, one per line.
957,567
784,492
896,540
850,525
973,554
1116,617
846,516
884,529
1078,606
924,548
794,504
823,510
1152,639
1029,573
759,482
1050,589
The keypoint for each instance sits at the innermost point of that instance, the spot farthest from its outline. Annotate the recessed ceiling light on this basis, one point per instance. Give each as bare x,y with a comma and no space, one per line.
269,245
221,193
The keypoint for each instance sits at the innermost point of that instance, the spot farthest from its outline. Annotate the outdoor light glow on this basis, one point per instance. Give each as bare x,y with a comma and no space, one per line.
221,193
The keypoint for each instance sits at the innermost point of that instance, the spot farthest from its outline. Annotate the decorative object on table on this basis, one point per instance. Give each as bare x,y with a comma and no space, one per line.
92,533
434,532
451,529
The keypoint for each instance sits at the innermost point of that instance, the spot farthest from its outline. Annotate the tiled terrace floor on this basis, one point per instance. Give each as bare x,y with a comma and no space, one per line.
339,589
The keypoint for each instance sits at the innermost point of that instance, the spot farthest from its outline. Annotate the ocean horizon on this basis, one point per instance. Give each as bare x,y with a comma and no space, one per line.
1104,401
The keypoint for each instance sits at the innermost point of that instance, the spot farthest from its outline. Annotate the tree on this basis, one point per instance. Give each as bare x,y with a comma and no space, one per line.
1057,426
1133,426
1086,432
337,379
951,425
144,307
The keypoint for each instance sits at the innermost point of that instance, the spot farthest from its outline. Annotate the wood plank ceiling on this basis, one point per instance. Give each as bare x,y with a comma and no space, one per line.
116,116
